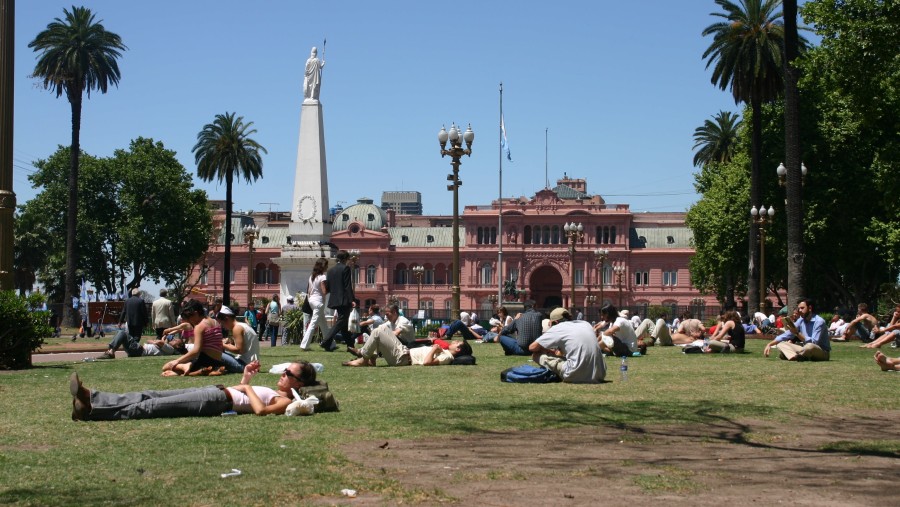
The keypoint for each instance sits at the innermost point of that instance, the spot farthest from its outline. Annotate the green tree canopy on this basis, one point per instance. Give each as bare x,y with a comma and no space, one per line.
139,217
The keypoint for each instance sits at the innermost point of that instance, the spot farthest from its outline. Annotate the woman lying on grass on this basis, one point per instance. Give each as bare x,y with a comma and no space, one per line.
92,405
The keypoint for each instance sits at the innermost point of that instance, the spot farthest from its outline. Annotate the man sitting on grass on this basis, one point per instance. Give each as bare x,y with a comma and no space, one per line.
864,326
384,342
570,349
809,329
92,405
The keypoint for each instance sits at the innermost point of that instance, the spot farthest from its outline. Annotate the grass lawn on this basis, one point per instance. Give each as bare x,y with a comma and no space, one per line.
47,459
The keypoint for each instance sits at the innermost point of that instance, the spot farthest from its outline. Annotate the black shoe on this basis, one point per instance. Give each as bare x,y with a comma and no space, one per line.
354,351
107,355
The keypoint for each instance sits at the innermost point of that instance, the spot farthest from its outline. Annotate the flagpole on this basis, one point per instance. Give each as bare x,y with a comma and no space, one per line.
500,210
546,175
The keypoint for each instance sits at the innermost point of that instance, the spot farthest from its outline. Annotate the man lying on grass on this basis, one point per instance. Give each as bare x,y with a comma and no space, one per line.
396,353
92,405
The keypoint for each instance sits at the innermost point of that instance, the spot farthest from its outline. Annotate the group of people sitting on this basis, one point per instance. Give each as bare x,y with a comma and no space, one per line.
198,340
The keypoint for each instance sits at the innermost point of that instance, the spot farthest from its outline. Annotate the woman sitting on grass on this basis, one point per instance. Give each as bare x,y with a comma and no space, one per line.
92,405
729,336
205,357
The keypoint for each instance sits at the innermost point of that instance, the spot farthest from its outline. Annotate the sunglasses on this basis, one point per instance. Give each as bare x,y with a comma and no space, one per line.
291,374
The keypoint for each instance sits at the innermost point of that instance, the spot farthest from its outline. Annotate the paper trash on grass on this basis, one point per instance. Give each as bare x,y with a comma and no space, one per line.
234,473
349,493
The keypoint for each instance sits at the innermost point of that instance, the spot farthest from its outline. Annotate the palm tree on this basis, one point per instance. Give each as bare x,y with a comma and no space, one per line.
717,139
76,55
746,54
224,150
793,45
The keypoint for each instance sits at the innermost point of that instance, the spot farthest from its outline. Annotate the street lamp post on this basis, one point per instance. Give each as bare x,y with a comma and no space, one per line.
418,272
456,151
251,233
761,218
574,232
620,272
601,254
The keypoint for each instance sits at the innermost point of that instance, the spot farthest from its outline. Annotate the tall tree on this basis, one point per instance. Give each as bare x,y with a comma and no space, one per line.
224,150
76,55
138,211
746,55
717,139
794,182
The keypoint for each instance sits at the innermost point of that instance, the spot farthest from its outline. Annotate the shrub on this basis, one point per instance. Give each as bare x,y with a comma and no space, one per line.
22,328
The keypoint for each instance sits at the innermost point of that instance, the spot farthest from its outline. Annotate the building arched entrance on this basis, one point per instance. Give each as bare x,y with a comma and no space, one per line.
545,287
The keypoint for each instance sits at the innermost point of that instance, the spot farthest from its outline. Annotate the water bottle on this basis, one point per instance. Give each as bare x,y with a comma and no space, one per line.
623,369
706,344
88,360
319,367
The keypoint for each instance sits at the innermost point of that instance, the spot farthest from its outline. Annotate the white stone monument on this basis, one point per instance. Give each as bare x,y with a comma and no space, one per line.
310,229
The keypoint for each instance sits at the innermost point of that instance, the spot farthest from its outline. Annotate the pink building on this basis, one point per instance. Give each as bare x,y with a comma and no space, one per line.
647,261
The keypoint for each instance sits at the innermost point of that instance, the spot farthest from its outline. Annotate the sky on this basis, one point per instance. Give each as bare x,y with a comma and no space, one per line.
616,89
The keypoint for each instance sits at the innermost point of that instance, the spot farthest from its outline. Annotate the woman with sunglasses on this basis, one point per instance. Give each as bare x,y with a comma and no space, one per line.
93,405
205,357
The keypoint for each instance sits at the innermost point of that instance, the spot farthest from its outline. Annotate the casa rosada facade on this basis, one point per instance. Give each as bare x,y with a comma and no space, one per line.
646,261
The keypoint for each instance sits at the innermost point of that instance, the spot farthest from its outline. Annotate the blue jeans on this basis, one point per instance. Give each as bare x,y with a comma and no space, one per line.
511,347
131,346
233,364
457,326
273,334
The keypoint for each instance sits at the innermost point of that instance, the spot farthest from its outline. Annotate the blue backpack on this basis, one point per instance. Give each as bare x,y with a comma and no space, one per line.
251,318
528,374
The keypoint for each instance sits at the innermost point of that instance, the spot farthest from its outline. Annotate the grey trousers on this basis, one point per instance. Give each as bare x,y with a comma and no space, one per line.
192,402
131,346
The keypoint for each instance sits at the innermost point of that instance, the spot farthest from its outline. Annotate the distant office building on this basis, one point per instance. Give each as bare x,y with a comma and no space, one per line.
403,203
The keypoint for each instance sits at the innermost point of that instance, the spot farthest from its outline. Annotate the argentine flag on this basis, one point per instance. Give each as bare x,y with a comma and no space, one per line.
504,144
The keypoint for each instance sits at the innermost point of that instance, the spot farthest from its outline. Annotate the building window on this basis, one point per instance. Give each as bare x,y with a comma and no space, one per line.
231,275
607,275
401,275
429,275
404,238
204,275
545,233
345,217
487,274
670,240
612,235
355,274
554,235
429,238
272,274
493,235
371,270
527,235
606,235
370,217
642,278
512,273
265,240
579,277
670,278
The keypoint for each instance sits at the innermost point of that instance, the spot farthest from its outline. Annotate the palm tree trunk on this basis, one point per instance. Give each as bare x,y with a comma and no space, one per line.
226,290
794,190
755,185
69,313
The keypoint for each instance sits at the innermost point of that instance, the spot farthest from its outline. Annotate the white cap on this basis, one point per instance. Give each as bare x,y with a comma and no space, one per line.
225,311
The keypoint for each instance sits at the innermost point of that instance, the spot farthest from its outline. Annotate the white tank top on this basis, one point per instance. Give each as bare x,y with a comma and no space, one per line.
241,402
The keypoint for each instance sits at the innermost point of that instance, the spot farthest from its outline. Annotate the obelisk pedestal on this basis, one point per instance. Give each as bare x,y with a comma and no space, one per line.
310,227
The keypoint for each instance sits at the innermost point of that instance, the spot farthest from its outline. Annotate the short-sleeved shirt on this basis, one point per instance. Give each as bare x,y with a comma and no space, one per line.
625,333
584,361
417,356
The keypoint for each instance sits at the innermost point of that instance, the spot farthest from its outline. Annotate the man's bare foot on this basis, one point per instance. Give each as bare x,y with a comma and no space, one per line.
81,398
202,372
170,373
218,371
357,362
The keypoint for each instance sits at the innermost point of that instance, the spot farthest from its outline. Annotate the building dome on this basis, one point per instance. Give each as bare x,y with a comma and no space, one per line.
364,212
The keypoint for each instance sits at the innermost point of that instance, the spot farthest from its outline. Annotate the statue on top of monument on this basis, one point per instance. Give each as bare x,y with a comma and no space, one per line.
312,79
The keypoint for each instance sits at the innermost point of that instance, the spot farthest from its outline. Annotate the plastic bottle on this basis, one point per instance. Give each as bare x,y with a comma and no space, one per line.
623,369
88,360
706,344
319,367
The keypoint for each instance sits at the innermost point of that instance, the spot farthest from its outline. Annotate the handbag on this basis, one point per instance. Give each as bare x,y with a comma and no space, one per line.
305,307
353,322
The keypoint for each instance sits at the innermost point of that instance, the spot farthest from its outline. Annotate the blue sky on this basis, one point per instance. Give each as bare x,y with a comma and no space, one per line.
621,86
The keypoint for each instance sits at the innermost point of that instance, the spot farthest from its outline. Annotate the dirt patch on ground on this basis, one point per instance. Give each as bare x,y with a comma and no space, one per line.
823,462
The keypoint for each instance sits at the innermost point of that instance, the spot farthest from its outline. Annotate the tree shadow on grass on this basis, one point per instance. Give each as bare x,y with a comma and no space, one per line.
698,421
